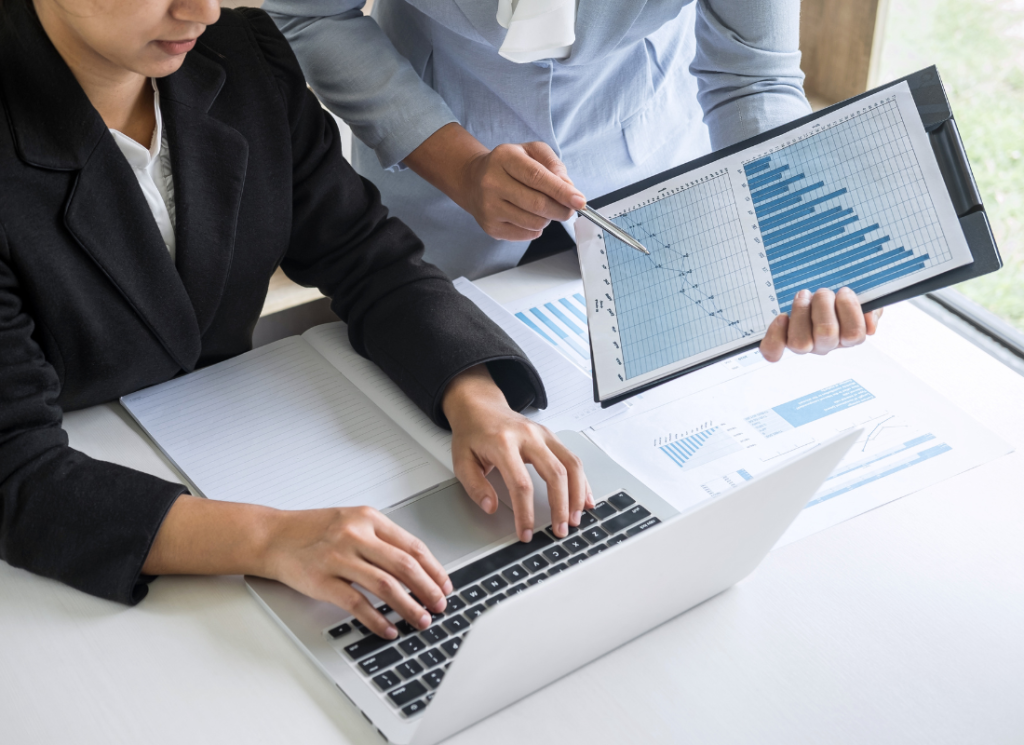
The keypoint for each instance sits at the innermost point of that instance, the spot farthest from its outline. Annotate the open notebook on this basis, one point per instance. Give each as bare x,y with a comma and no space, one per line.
306,422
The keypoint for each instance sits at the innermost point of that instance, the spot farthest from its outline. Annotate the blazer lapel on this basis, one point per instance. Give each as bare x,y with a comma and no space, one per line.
208,162
109,217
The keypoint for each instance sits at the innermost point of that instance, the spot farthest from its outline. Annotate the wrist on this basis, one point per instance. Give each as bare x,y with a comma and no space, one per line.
468,390
447,160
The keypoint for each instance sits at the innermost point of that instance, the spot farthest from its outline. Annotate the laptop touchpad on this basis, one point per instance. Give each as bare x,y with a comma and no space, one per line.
451,524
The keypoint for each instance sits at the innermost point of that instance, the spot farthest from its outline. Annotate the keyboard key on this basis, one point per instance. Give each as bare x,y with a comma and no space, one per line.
411,690
597,549
387,680
366,646
493,584
384,609
621,500
493,600
514,573
433,635
587,520
381,660
405,628
452,646
570,530
643,526
556,553
556,569
433,678
625,519
359,626
515,589
435,617
602,510
475,612
491,563
594,534
536,579
340,630
429,697
412,645
409,669
455,604
473,594
574,545
455,624
535,563
576,559
616,539
432,657
414,708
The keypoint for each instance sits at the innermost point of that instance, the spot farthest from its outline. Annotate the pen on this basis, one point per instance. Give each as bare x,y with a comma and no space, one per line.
603,222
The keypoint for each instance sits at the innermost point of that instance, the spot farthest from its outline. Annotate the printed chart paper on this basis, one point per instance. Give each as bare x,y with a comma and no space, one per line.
853,199
702,446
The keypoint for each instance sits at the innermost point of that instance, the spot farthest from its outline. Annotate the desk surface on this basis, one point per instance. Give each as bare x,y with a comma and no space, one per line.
902,625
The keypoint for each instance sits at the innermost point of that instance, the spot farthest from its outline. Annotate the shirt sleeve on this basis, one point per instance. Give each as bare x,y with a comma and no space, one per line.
748,67
402,313
63,515
358,74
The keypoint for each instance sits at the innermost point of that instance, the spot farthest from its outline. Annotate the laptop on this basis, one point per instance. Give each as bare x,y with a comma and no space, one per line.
515,605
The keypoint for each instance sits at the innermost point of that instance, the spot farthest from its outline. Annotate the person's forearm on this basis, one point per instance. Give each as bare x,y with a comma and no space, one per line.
201,536
444,158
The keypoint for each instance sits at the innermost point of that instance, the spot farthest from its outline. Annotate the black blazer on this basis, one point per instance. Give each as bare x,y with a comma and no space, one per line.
92,306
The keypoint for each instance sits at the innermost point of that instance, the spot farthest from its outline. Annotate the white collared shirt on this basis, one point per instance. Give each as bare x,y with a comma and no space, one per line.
152,168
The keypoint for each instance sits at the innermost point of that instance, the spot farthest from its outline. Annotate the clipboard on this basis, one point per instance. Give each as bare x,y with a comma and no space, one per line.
933,106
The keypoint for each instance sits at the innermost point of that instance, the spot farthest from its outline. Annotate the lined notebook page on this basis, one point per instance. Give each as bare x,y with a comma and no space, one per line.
570,391
279,426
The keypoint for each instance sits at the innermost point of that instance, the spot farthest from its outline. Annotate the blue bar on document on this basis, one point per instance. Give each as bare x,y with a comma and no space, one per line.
574,309
757,165
563,318
767,177
535,328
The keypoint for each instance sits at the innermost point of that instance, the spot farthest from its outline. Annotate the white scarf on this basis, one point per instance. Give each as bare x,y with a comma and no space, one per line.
537,29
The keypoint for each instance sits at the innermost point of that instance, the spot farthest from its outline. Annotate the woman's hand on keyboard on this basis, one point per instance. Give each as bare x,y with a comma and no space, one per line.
819,323
321,553
487,434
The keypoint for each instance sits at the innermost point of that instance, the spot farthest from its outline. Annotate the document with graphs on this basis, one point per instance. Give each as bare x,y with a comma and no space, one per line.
854,198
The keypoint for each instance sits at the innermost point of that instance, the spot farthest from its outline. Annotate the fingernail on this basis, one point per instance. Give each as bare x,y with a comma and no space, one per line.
563,530
488,504
804,294
578,202
527,536
447,587
576,517
424,621
392,633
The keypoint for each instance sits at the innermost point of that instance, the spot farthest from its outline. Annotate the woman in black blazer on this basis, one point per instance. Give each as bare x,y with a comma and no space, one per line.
93,306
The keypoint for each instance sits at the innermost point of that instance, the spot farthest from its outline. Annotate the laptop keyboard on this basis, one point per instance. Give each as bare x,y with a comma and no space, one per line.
407,670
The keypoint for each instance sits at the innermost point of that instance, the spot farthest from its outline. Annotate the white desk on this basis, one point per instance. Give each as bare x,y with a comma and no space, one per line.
904,625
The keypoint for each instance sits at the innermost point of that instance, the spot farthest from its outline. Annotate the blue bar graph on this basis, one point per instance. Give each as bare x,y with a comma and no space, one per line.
701,447
563,324
813,240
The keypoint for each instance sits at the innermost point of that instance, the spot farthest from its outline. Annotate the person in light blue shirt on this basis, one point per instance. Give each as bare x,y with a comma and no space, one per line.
464,124
471,115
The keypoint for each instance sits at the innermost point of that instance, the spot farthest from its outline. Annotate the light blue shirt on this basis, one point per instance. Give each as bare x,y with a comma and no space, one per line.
648,85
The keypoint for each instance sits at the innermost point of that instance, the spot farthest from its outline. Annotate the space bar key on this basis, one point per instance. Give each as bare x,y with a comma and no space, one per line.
493,562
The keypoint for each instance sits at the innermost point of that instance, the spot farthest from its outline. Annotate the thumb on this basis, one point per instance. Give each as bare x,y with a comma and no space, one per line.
773,345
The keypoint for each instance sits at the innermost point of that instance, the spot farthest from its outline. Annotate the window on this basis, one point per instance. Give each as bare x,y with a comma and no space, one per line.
978,47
